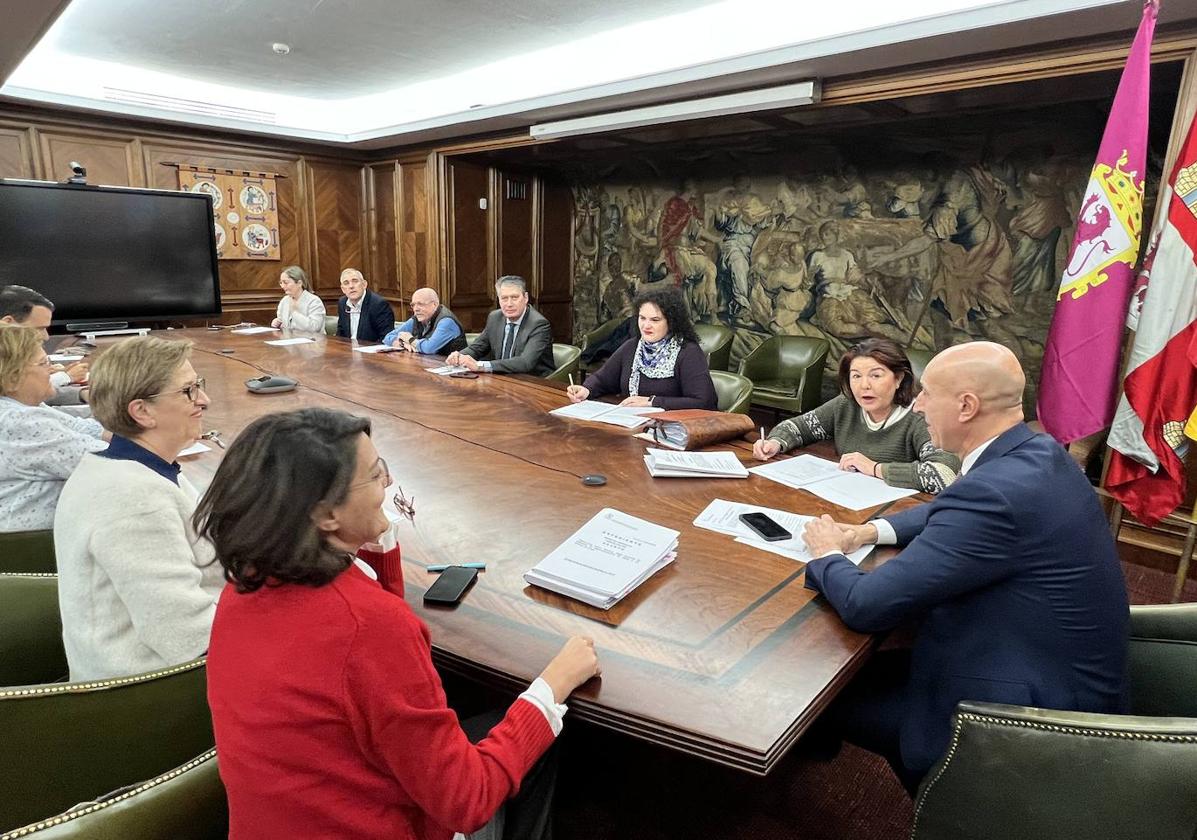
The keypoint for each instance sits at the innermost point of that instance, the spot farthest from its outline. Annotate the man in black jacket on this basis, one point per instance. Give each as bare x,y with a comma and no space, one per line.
361,314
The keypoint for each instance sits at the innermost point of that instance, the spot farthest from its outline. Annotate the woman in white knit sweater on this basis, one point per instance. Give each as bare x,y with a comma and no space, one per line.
136,586
299,311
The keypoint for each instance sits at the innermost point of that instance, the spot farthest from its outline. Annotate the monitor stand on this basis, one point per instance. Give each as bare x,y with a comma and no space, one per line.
90,335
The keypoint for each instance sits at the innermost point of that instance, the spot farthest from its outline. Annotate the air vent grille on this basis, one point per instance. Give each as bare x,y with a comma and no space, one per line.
189,106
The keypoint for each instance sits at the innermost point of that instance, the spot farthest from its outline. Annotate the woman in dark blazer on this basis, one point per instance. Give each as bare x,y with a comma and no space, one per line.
664,366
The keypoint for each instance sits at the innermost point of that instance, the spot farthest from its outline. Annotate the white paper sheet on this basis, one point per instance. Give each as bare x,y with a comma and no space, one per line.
372,348
445,370
196,448
287,342
696,464
65,358
724,517
253,330
826,480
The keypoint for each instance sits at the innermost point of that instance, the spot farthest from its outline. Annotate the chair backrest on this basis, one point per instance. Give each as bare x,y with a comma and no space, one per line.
1162,660
716,341
31,650
600,332
470,337
71,742
565,363
1015,772
27,551
795,358
734,391
330,324
186,803
918,361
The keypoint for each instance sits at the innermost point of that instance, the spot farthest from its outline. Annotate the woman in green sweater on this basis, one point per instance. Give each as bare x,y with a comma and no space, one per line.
874,430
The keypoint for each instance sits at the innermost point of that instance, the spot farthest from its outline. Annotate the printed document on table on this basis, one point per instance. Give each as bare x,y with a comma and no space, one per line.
826,480
196,448
629,417
798,471
253,330
609,551
287,342
371,348
664,462
724,517
445,370
58,358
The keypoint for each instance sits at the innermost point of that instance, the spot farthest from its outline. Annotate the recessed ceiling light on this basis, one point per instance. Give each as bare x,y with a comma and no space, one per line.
280,48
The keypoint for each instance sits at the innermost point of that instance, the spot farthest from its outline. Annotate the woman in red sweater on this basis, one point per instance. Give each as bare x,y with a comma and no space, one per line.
330,718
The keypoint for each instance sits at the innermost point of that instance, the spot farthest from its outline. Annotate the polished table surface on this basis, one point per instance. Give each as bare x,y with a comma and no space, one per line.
723,654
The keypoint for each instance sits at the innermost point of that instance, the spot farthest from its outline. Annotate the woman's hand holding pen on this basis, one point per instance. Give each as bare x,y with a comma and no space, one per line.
577,393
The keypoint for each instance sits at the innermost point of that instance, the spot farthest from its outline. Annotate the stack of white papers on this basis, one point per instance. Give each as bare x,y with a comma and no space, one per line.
252,330
826,480
287,342
445,370
373,348
629,417
663,463
724,517
606,559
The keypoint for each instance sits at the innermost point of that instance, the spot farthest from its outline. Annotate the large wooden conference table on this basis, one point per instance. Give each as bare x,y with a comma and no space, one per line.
724,654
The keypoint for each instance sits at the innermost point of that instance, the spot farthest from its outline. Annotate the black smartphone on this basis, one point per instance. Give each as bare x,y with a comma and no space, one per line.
451,585
765,528
463,374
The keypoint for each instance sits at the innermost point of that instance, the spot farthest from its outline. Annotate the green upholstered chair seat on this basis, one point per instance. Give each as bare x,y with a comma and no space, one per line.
31,650
565,362
186,803
65,743
778,387
27,551
1013,771
330,324
734,391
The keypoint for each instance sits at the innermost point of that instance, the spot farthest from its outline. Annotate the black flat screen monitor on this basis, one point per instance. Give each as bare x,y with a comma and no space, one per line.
110,253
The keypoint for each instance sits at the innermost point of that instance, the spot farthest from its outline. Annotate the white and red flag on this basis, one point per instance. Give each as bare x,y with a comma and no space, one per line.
1146,472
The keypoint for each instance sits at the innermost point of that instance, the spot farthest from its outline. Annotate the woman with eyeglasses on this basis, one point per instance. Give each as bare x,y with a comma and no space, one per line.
39,446
330,718
300,310
136,586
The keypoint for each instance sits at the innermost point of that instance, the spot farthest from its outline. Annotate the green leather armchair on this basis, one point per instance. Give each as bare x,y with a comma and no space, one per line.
1018,772
787,372
65,743
597,335
330,324
565,361
918,361
31,650
716,342
469,337
186,803
27,551
734,391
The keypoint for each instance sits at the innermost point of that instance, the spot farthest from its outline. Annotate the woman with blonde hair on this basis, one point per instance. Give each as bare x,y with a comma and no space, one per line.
300,310
136,586
39,446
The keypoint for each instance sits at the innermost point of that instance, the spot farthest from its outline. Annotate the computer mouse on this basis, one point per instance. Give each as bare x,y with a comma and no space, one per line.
270,384
594,480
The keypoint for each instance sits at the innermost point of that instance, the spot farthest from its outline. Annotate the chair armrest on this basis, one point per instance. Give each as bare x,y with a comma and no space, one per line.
759,364
1013,771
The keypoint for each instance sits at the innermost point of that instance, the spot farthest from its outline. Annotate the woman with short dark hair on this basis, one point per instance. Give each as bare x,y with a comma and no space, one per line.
664,366
330,718
871,422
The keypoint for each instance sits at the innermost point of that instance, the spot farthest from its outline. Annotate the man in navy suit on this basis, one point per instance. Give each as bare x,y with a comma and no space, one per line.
1011,572
361,314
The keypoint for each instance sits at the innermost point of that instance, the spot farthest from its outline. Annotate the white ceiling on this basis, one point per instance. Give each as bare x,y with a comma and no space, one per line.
374,73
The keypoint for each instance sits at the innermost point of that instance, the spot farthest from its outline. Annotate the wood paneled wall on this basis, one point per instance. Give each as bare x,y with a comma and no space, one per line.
322,198
526,228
